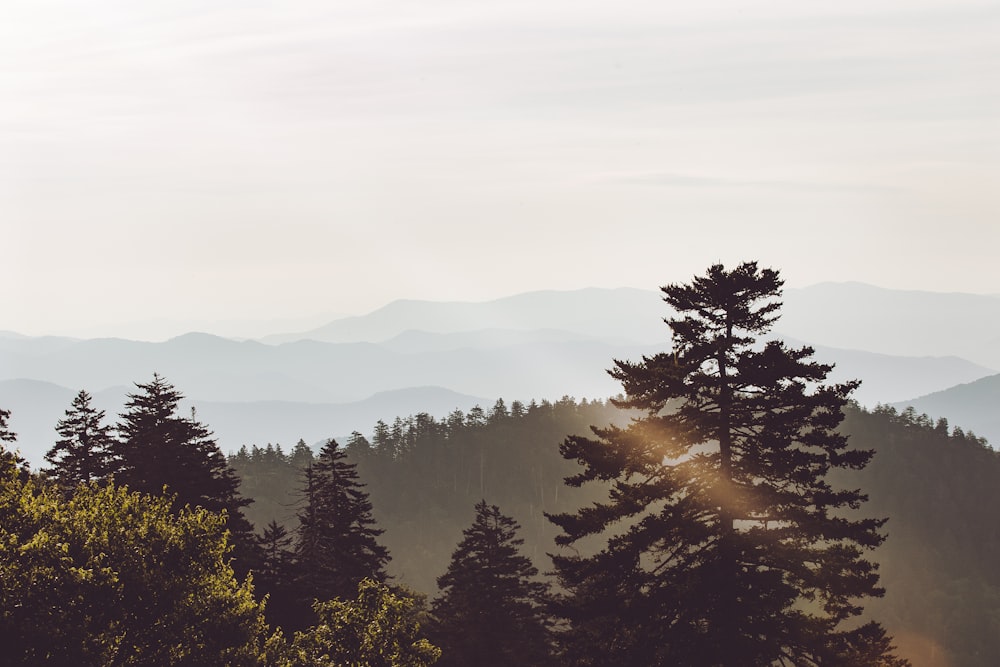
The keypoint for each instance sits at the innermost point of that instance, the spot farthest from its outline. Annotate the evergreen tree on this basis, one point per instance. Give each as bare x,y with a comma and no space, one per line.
159,448
83,451
491,610
301,455
160,451
6,435
336,544
276,575
722,542
357,446
275,552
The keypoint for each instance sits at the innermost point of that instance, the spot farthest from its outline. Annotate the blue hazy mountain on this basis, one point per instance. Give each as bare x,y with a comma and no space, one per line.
624,314
536,345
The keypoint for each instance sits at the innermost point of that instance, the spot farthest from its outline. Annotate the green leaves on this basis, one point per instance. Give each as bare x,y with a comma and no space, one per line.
377,629
115,577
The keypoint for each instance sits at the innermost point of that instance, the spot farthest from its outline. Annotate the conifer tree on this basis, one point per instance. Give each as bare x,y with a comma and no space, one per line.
721,541
275,577
7,436
491,609
336,545
84,449
301,455
160,451
159,448
275,551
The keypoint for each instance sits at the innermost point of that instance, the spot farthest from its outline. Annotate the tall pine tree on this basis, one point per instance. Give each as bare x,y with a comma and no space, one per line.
160,451
721,542
336,545
84,450
491,610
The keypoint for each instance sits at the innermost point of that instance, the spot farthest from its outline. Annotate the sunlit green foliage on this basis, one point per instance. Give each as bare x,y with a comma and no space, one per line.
109,576
377,629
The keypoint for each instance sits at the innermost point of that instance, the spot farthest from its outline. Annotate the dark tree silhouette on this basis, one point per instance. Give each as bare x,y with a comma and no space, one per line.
275,577
276,554
721,541
8,436
491,610
161,452
336,545
84,450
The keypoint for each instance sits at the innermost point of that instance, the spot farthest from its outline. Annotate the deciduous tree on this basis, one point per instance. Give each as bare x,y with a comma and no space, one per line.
377,628
112,577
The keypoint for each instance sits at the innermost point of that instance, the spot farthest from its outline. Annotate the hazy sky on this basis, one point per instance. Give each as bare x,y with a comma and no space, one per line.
236,160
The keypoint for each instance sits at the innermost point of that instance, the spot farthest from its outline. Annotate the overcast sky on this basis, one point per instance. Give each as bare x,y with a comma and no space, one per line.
221,160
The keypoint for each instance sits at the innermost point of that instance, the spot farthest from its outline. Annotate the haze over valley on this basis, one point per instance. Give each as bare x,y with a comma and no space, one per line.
413,356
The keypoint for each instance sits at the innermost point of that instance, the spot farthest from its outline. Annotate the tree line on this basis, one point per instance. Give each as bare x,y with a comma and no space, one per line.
708,518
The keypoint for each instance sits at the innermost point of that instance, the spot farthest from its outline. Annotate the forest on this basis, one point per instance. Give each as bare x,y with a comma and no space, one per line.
729,507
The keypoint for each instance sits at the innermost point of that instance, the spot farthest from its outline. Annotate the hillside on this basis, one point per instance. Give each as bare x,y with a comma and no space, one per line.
940,491
974,405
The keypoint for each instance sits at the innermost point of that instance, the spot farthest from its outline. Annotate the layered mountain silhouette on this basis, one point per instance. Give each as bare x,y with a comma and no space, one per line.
539,345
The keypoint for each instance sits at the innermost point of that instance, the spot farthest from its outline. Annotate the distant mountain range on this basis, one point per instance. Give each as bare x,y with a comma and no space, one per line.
622,314
973,406
535,345
897,322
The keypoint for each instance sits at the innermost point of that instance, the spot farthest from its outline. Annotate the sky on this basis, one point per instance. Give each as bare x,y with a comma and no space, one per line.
232,165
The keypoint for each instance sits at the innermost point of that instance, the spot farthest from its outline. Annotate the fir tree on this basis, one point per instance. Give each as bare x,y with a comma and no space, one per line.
161,452
159,448
8,456
491,609
275,576
336,544
6,435
83,451
301,455
722,541
276,555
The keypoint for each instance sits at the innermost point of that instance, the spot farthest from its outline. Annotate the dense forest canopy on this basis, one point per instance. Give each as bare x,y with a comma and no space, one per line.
939,487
